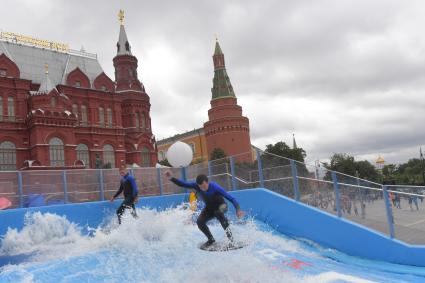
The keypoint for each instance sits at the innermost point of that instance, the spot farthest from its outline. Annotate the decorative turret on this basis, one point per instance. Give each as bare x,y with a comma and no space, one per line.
125,63
123,46
135,109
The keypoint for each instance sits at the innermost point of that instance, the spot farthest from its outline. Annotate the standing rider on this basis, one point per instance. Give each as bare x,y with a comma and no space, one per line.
213,195
129,187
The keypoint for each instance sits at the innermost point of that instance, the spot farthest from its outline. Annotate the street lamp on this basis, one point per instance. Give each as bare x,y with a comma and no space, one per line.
423,165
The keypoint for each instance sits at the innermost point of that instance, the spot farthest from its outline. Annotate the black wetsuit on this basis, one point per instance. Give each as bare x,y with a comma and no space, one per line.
215,206
129,187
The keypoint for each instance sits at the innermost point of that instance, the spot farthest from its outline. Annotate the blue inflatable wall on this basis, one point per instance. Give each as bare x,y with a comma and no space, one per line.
299,220
285,215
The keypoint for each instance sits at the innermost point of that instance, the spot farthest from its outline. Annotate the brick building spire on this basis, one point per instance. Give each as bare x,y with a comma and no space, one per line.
226,128
125,63
135,109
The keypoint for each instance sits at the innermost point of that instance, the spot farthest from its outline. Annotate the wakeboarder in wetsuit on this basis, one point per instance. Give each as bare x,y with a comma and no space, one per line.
213,195
129,187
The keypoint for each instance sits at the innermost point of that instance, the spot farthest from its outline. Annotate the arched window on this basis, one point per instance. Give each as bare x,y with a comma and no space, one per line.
83,115
108,156
137,120
11,108
143,121
57,152
53,102
83,154
101,117
7,156
3,73
146,157
1,108
109,115
75,109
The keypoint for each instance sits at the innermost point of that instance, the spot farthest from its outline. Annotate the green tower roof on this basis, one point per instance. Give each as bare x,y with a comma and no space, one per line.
222,87
217,50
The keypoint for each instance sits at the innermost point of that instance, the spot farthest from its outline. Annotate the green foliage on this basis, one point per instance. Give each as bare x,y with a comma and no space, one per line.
388,171
282,149
217,153
165,163
409,173
197,161
344,163
367,171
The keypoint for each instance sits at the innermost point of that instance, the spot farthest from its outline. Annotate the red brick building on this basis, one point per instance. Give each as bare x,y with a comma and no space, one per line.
58,109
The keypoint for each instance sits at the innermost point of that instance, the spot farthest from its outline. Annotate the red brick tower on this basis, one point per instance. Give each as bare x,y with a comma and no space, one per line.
227,128
139,140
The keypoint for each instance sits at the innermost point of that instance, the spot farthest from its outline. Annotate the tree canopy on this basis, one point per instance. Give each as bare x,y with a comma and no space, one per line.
282,149
409,173
217,153
344,163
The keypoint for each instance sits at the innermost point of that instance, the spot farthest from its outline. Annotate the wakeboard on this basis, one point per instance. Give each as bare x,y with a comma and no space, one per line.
223,246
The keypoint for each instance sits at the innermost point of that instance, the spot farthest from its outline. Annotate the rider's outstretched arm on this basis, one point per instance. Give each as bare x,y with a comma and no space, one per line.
184,184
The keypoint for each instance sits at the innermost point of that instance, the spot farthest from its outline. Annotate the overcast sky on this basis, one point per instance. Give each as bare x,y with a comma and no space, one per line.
344,76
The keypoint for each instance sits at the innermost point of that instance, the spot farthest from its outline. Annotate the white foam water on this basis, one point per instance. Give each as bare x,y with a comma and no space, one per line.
160,247
40,232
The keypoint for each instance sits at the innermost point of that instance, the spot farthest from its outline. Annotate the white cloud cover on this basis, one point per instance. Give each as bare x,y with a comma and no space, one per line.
344,76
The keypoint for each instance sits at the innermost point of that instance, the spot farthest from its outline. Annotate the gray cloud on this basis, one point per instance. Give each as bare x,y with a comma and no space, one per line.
344,76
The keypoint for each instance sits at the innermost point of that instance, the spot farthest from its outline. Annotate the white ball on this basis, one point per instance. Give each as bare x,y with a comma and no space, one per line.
179,154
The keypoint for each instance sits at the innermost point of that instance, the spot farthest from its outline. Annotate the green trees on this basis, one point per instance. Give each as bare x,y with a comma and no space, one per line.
282,149
344,163
409,173
165,162
217,153
368,171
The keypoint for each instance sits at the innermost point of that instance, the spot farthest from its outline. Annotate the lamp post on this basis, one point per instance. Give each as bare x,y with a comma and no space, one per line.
317,166
422,165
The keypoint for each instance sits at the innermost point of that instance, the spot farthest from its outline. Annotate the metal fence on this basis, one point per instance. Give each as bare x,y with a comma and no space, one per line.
397,211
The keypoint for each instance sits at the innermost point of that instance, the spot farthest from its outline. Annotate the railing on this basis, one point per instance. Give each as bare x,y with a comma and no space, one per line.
397,211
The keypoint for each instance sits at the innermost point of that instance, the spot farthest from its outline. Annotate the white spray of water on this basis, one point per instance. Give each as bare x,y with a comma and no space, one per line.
156,247
40,231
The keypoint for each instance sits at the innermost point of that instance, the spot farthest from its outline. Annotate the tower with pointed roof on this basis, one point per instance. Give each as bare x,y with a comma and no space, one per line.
226,128
125,63
139,140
